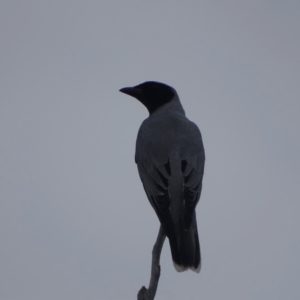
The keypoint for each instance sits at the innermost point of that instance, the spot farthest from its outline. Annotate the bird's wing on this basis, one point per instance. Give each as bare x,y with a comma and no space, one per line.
155,179
192,169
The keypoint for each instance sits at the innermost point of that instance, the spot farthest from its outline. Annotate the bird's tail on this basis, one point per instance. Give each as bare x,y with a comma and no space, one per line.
185,248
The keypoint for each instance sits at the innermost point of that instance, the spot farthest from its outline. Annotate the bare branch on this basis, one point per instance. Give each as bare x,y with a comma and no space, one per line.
149,294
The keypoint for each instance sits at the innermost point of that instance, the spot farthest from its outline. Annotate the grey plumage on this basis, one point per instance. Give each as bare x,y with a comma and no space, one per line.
170,159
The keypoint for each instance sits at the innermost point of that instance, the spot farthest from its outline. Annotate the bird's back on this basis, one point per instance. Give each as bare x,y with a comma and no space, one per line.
167,135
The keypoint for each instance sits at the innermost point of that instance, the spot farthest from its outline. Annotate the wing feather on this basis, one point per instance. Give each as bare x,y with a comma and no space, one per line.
192,169
155,180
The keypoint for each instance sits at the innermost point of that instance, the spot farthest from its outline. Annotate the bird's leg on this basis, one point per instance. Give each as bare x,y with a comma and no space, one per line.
149,294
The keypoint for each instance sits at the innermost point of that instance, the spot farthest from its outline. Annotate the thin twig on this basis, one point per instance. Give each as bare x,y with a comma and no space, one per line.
149,294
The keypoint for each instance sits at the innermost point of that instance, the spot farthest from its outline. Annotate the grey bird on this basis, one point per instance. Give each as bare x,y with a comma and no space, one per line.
170,159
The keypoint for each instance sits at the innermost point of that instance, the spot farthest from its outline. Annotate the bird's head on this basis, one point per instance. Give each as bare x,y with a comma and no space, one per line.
151,93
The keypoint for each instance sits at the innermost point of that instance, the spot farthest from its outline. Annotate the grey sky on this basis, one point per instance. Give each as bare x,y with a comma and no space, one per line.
74,220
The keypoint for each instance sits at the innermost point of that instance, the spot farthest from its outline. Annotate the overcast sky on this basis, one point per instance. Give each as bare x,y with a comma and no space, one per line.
75,222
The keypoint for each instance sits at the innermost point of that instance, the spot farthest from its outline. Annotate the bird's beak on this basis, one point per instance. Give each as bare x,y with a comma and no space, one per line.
132,91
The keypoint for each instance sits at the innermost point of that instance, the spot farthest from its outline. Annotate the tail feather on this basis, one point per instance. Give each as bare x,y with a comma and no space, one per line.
197,261
185,249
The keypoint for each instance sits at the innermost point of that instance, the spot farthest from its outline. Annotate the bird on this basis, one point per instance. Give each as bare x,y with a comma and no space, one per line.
170,159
